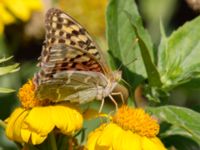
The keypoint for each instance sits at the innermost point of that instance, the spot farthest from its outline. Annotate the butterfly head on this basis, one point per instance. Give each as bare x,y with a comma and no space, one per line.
116,75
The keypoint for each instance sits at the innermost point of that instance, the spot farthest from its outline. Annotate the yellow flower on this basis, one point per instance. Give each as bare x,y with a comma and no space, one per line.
129,129
22,9
34,124
5,17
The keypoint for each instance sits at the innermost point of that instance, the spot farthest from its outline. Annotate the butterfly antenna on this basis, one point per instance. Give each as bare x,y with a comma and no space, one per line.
130,62
124,81
120,67
132,46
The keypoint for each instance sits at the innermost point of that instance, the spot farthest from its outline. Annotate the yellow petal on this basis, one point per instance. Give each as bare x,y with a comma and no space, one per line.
25,135
108,134
13,129
37,125
111,136
40,120
66,118
127,140
37,138
19,9
5,16
34,125
92,139
29,136
152,143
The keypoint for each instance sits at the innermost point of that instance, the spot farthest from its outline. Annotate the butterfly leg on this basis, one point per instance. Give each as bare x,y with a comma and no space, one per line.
113,100
101,107
121,96
58,92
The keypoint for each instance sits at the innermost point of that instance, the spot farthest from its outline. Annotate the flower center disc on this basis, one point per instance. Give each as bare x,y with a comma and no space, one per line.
137,121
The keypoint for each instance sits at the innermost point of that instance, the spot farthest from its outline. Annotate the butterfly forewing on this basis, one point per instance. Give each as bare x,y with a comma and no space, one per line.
62,29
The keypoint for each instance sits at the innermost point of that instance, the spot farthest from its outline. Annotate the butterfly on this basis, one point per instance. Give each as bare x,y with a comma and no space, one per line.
72,66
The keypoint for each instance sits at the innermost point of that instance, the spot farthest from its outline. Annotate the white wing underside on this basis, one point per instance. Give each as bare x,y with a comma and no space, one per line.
73,86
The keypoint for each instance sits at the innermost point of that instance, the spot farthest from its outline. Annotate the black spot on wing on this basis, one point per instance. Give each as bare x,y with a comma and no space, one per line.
75,33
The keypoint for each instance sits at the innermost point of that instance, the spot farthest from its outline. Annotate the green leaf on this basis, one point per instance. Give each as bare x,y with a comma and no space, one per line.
6,90
5,59
185,122
145,48
9,69
6,70
180,143
178,57
122,40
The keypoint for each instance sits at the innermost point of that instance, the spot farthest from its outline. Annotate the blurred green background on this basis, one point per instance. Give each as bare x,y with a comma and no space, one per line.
22,34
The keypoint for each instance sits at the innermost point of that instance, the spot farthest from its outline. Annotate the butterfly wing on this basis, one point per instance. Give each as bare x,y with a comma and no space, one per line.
67,47
62,29
73,86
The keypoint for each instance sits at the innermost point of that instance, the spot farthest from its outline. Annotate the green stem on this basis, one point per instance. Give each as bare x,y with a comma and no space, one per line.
53,141
19,146
2,124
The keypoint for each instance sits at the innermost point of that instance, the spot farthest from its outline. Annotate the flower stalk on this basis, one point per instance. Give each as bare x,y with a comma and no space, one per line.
52,141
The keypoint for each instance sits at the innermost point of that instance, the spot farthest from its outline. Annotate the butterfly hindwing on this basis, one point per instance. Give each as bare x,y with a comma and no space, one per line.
74,86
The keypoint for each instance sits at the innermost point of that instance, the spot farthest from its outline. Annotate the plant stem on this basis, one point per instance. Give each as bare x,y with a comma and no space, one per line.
53,141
